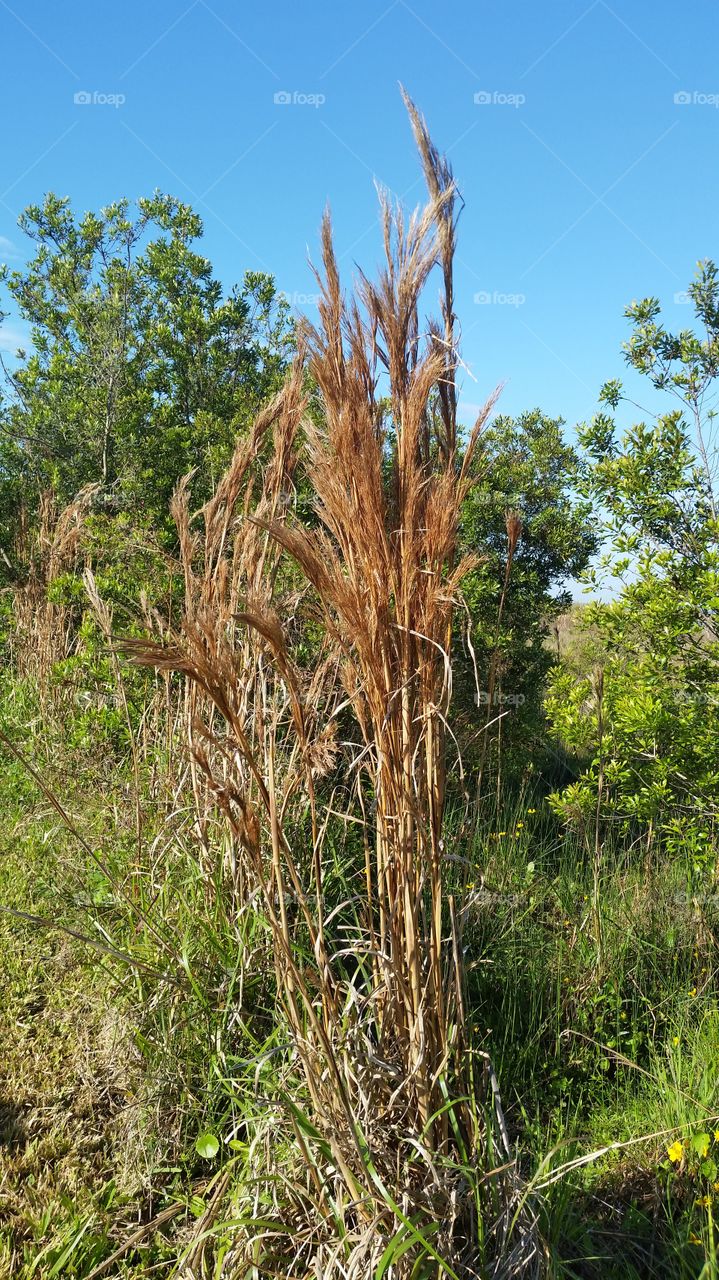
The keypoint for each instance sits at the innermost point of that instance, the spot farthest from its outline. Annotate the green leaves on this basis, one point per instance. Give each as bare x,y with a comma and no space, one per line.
141,368
611,393
207,1146
652,489
525,466
700,1144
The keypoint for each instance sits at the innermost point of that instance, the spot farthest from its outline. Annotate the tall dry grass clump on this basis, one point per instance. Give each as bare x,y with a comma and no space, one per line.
397,1164
44,627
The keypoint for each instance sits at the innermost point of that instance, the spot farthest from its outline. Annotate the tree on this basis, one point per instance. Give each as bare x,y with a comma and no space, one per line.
140,368
524,493
648,723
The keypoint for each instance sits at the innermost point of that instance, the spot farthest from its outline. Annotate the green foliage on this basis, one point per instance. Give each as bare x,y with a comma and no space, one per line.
651,736
140,369
525,466
207,1146
591,985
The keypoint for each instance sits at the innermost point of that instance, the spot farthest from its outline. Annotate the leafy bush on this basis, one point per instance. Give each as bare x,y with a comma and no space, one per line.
648,723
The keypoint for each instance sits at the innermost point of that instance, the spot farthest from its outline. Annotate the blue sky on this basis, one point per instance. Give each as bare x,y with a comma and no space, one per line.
586,183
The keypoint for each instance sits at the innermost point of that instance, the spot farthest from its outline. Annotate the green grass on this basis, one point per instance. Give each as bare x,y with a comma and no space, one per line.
111,1074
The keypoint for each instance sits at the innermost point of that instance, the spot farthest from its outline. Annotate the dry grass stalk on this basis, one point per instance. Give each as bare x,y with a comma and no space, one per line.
44,630
513,525
380,1051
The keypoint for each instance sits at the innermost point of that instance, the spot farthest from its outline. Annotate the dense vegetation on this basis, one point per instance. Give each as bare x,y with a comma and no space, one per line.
358,898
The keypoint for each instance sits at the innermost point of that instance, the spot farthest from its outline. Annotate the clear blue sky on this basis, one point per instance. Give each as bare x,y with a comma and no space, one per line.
597,188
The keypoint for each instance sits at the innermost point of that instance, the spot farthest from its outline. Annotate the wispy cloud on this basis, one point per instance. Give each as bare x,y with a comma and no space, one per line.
9,252
11,337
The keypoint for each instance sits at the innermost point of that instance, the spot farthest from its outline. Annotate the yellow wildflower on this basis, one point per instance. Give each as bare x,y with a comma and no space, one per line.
675,1039
675,1152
